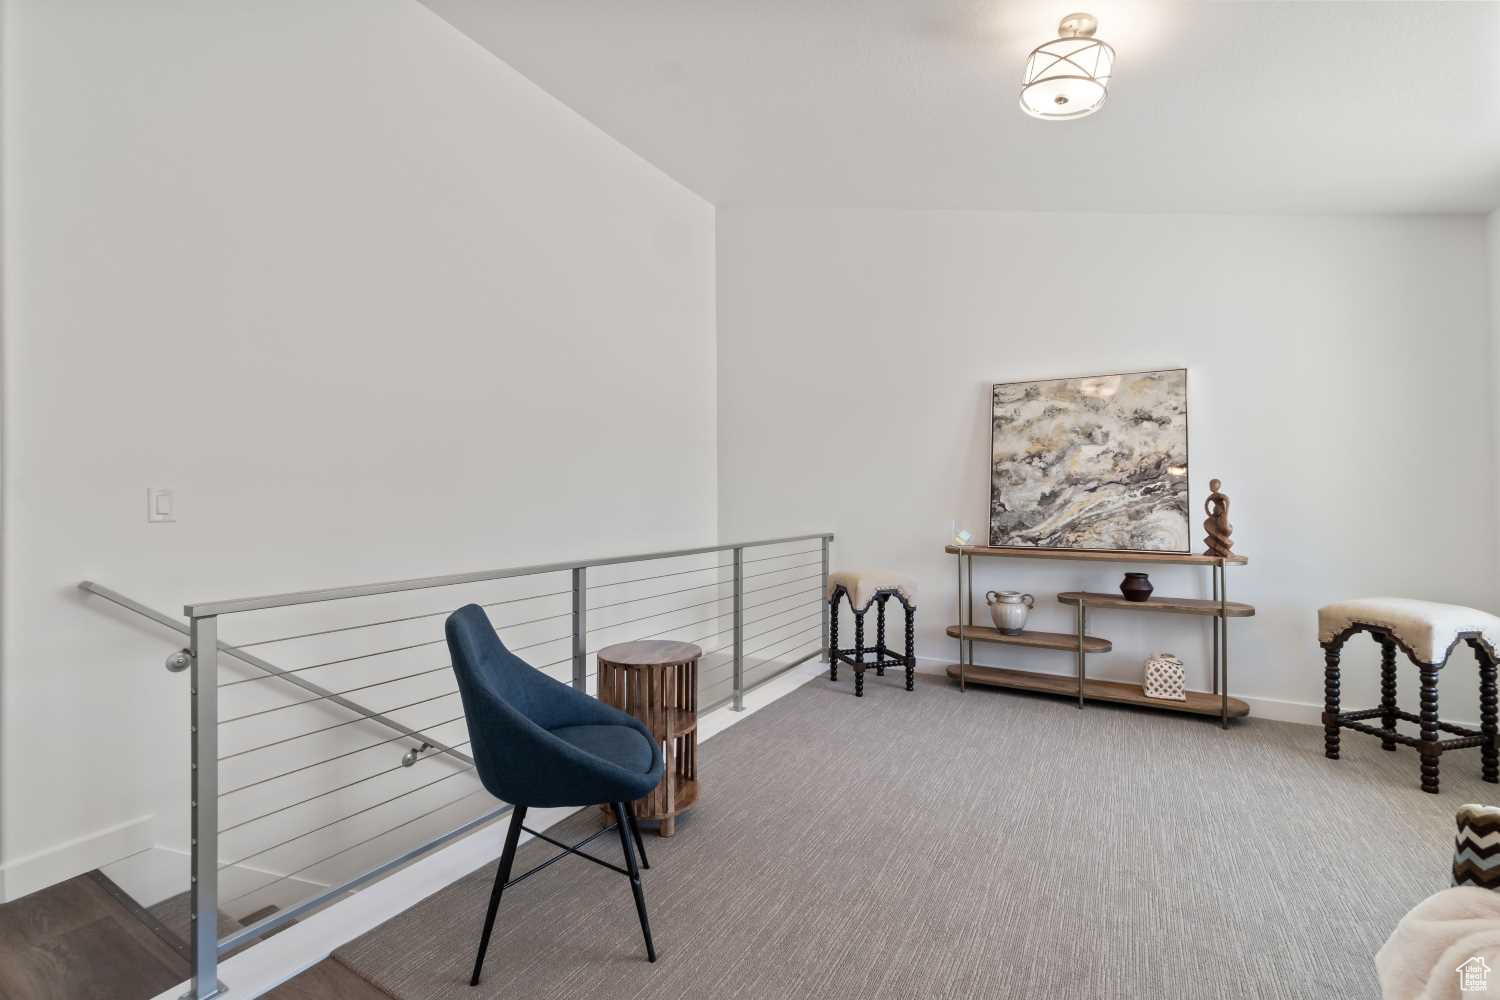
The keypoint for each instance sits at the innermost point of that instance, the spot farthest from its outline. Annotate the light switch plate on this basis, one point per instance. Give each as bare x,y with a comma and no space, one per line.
160,506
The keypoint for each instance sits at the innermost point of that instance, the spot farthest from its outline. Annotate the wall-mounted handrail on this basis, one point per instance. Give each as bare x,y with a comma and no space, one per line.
115,597
206,609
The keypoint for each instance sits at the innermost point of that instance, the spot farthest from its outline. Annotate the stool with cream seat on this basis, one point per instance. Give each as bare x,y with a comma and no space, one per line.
863,588
1427,633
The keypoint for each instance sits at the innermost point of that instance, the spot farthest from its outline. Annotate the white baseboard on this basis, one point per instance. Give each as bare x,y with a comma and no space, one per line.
307,942
56,864
1278,710
1272,709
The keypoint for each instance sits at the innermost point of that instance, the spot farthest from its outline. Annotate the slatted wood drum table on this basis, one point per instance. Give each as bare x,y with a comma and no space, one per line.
656,681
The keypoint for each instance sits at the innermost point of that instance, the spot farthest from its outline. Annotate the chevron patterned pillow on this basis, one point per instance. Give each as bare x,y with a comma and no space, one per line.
1476,849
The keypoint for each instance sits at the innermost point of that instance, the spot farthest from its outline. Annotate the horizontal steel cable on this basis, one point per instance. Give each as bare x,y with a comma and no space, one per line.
313,798
782,569
687,607
338,756
336,725
358,812
333,694
394,649
784,638
728,678
659,614
330,663
394,621
661,576
345,850
665,593
784,555
783,625
658,576
708,635
722,671
553,663
783,583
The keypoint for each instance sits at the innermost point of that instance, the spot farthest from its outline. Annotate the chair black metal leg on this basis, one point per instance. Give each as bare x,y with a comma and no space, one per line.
502,875
635,882
635,831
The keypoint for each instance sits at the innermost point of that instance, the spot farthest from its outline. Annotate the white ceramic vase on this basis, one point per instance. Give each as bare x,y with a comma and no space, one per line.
1009,609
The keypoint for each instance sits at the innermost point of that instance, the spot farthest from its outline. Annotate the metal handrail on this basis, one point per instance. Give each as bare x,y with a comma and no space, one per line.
322,693
208,609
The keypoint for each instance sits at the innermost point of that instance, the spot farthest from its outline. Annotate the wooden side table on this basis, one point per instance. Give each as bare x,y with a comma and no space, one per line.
656,680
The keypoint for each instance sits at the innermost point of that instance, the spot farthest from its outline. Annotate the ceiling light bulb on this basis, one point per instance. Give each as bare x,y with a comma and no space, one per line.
1068,77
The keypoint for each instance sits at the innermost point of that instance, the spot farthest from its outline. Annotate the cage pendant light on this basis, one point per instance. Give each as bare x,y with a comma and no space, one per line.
1068,77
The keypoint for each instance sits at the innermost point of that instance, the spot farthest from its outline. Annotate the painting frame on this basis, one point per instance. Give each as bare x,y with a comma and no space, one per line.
1184,477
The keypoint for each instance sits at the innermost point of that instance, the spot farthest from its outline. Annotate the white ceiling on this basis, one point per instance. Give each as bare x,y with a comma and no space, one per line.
1236,107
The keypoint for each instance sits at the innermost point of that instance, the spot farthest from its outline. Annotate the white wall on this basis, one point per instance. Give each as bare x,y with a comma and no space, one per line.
1340,386
369,301
1492,238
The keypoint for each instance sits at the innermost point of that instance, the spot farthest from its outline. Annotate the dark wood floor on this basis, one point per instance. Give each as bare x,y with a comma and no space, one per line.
79,940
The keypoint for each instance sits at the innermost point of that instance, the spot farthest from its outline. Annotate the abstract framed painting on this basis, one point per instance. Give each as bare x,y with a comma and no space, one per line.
1091,463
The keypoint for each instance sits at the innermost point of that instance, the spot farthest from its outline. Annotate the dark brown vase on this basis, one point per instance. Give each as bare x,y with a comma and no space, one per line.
1136,587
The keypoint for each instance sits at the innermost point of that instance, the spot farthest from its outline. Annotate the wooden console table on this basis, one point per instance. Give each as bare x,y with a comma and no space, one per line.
1220,609
656,680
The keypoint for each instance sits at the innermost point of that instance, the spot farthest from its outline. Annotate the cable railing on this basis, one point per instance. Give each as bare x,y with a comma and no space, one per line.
334,753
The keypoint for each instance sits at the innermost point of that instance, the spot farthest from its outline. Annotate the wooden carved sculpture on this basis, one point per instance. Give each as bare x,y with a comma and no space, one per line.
1217,524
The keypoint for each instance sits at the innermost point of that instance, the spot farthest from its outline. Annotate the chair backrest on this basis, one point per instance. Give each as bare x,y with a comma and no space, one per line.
498,689
482,662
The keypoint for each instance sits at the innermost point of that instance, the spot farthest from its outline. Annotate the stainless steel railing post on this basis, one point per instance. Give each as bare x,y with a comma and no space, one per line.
204,796
580,629
739,629
824,599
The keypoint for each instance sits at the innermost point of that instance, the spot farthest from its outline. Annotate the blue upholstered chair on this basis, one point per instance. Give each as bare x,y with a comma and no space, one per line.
539,742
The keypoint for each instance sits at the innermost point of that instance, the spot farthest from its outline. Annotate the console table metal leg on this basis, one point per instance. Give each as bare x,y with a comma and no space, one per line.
1081,618
1224,650
969,607
1214,573
959,562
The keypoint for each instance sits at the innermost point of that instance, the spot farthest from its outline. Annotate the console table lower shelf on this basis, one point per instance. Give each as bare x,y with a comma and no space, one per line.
1120,692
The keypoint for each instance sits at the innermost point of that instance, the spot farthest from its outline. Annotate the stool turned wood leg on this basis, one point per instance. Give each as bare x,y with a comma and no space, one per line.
880,633
1429,725
1489,749
1331,700
911,647
1387,690
833,637
859,654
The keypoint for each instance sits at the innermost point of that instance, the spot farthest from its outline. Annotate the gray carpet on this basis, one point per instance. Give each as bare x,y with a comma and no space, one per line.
983,845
